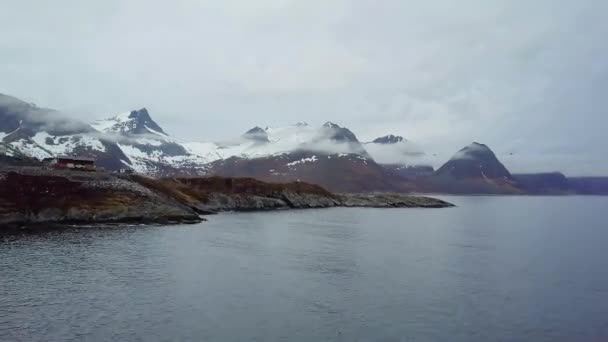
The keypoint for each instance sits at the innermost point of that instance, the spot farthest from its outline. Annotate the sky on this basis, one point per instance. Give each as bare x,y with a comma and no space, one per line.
527,78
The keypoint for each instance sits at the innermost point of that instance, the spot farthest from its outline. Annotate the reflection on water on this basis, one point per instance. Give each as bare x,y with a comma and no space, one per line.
494,268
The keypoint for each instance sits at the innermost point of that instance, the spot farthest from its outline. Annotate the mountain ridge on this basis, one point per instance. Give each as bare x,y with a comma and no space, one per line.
329,154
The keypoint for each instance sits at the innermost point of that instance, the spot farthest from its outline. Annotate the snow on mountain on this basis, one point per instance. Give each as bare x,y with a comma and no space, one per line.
42,133
137,122
149,149
275,141
134,140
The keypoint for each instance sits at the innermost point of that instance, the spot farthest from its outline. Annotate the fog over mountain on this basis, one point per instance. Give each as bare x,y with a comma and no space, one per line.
527,78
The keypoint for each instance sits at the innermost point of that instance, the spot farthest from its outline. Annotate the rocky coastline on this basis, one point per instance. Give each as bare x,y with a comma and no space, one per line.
31,196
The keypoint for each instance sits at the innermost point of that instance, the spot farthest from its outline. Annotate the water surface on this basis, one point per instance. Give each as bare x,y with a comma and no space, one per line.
492,269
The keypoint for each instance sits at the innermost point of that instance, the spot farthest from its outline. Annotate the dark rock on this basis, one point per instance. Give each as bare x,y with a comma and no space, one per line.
36,195
391,200
141,123
257,134
389,139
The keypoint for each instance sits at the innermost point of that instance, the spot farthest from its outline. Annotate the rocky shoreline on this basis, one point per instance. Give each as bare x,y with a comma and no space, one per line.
35,196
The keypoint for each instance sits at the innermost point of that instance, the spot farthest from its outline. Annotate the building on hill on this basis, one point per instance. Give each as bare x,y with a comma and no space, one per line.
71,163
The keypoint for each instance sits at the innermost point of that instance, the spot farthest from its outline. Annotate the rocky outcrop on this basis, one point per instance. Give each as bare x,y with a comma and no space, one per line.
34,195
216,194
391,200
389,139
218,202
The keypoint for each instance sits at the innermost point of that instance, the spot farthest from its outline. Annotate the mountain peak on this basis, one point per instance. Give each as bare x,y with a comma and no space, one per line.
475,150
141,114
135,122
330,124
340,134
389,139
475,161
257,134
255,130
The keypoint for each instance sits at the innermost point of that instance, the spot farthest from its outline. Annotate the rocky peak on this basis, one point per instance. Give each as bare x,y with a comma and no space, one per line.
475,161
330,124
475,151
136,122
340,134
257,134
389,139
143,123
256,130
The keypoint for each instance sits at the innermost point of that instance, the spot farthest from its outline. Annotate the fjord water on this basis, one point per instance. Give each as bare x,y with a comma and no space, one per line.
492,269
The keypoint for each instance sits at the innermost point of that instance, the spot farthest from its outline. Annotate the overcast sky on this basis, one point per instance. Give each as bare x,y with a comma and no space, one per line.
525,77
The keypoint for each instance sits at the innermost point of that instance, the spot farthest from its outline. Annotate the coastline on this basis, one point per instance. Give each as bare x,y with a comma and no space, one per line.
33,196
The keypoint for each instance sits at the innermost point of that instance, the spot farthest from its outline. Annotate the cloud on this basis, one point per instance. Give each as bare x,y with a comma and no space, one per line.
441,74
18,114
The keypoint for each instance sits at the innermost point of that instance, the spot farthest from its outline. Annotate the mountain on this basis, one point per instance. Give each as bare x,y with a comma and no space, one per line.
476,161
408,172
257,134
137,122
134,140
13,157
336,172
42,133
148,148
396,151
588,185
473,169
400,158
330,156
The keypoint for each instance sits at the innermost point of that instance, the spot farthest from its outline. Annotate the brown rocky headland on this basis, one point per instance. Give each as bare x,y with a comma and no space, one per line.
34,195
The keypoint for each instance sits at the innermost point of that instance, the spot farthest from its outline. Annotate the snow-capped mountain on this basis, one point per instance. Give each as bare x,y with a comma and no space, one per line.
270,141
329,154
42,133
137,122
134,140
149,149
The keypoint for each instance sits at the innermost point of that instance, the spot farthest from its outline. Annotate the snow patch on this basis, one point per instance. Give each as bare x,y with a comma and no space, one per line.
31,148
303,161
155,132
